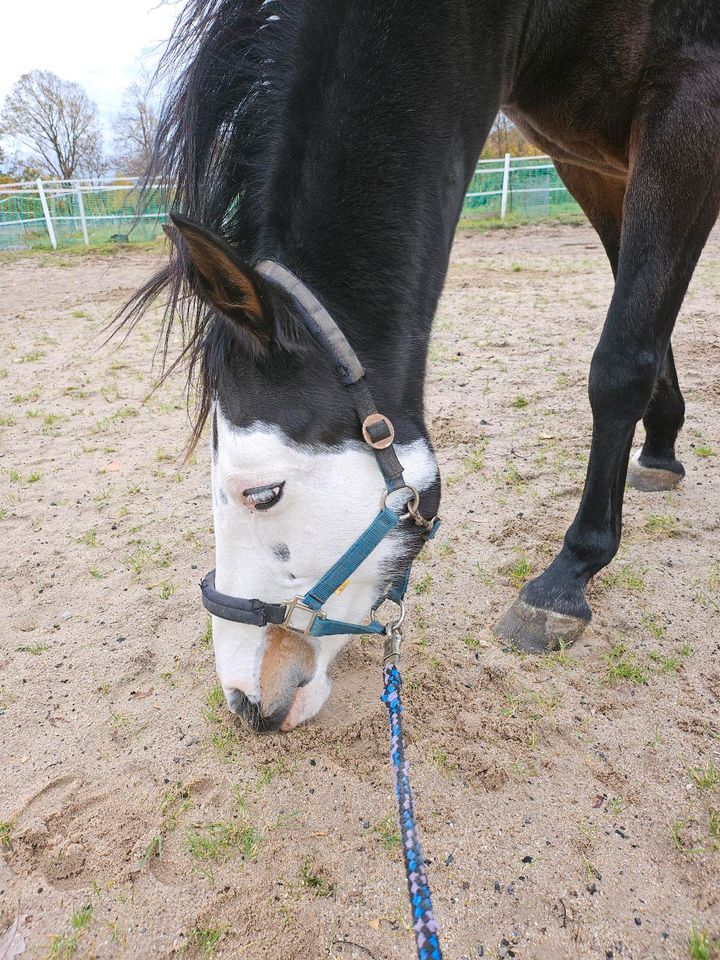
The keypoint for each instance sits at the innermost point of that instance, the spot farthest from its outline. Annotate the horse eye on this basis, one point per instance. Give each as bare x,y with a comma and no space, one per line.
263,498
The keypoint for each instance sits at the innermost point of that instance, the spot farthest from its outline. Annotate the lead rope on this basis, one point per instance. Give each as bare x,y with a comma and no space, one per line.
424,925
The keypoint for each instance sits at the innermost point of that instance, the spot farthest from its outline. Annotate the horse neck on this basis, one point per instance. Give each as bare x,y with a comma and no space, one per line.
378,140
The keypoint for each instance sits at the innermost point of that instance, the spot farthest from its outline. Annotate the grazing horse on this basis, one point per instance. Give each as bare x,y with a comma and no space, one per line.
337,138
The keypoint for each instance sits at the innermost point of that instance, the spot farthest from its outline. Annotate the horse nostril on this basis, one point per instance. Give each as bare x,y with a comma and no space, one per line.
250,712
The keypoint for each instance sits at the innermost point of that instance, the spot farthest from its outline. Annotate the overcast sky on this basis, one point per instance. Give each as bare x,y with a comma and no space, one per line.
92,42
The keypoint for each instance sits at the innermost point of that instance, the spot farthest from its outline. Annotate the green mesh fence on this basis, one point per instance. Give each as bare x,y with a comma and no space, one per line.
87,212
78,213
533,190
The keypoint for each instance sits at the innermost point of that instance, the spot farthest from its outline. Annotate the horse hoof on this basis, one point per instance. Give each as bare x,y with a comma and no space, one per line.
653,479
534,630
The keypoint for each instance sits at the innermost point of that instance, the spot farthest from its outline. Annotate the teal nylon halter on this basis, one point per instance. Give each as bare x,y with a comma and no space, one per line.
304,614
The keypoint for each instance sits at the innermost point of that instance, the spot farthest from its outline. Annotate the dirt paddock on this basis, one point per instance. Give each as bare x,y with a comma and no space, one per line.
569,805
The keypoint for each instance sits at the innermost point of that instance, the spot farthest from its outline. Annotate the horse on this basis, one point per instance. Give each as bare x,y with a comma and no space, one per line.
338,140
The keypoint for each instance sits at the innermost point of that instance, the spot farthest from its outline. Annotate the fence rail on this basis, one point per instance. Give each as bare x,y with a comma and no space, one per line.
66,213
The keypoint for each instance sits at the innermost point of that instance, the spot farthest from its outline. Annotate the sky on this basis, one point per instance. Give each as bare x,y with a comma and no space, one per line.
92,42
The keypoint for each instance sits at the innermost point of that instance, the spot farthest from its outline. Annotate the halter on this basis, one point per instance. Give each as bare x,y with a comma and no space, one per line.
304,615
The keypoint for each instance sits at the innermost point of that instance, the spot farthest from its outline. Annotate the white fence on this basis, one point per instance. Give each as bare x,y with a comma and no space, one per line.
56,213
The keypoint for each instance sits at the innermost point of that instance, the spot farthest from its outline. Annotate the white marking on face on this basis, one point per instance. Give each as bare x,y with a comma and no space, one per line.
330,496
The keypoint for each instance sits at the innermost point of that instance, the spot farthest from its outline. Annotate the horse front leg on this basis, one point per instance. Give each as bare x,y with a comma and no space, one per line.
672,202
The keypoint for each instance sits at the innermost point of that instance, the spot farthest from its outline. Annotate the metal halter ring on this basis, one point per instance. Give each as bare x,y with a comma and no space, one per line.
394,625
413,503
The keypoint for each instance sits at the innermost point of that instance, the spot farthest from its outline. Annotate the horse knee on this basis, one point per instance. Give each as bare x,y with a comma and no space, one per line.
621,383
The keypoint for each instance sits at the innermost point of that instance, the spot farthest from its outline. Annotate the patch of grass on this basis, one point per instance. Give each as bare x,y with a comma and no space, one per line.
472,643
206,639
627,576
34,648
666,664
616,805
704,451
622,666
423,584
64,946
387,833
663,525
166,591
31,357
217,842
520,402
206,939
707,777
7,420
174,803
51,424
146,554
89,538
654,625
313,879
476,461
6,828
519,570
33,477
271,770
701,946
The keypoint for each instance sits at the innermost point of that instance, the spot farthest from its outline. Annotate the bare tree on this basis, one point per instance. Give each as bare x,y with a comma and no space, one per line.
505,137
135,126
55,123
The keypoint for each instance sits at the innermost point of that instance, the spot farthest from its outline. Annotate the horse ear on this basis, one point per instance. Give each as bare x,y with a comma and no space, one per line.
220,278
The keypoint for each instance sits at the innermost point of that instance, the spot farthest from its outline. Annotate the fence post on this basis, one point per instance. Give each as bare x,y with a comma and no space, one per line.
81,208
505,187
46,212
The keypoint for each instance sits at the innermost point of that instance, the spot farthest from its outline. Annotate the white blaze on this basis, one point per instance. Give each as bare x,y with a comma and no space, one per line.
331,496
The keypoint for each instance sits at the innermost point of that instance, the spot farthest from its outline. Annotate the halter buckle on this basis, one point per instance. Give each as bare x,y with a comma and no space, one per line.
295,608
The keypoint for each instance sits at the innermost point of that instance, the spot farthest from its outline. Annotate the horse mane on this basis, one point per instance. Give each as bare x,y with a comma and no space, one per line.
225,69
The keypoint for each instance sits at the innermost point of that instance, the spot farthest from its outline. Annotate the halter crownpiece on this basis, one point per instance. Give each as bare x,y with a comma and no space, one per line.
304,615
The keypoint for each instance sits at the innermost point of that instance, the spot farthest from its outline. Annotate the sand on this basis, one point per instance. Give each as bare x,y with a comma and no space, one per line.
566,803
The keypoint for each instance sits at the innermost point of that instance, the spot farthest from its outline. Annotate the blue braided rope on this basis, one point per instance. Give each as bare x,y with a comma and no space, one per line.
424,925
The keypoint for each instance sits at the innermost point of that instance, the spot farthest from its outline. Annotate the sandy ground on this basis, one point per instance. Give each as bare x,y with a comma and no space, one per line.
567,804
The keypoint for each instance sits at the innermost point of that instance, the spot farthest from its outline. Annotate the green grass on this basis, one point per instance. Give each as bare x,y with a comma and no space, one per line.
217,842
7,420
423,584
701,946
704,451
622,666
64,946
34,648
476,461
666,664
313,879
32,357
627,576
89,538
387,833
6,834
663,525
206,939
707,777
520,402
166,591
519,570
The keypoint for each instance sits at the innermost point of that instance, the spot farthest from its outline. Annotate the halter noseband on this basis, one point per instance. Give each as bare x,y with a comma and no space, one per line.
304,614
